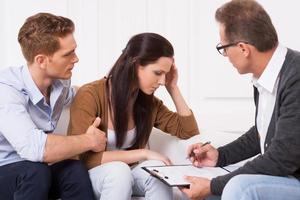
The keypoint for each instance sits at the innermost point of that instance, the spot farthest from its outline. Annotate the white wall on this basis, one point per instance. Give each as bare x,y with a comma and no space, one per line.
218,95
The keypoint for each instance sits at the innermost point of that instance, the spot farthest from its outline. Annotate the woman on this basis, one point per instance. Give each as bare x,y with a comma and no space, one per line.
128,110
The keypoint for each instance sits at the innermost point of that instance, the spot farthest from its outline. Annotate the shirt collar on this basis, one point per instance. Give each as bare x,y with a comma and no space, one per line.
33,91
269,76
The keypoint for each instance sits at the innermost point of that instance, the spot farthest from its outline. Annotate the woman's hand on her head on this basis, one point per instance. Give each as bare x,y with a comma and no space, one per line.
171,78
152,155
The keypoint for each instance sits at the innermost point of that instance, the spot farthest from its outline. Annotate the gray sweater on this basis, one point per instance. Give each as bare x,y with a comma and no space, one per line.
282,144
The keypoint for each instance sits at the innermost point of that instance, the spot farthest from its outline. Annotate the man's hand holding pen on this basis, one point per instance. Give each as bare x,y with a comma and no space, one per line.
203,155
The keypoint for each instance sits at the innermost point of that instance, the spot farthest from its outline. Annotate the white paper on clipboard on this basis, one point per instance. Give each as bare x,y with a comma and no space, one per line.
173,175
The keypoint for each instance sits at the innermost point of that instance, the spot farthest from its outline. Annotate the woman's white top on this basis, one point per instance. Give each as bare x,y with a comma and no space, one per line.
112,139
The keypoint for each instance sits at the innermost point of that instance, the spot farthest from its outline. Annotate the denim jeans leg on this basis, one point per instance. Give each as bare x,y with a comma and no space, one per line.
261,187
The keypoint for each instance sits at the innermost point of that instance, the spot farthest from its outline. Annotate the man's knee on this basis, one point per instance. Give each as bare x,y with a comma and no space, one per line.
37,173
76,166
71,180
36,178
238,182
74,171
236,186
27,180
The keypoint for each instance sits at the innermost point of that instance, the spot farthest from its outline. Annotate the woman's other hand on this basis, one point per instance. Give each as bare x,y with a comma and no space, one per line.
152,155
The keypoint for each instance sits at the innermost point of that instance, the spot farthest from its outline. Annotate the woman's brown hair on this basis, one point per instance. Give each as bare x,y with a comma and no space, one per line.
141,50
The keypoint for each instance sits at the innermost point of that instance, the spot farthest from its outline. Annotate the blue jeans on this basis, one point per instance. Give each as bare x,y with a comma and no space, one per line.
27,180
261,187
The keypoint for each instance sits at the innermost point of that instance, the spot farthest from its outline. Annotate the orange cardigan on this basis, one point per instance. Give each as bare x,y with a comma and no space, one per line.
91,102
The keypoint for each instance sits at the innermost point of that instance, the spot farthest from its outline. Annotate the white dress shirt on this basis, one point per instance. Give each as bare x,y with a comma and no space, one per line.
267,85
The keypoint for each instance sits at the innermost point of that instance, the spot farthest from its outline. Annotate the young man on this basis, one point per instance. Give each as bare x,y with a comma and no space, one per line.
34,163
249,40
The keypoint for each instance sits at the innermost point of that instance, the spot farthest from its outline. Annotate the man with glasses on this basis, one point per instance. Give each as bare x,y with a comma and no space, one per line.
222,48
249,40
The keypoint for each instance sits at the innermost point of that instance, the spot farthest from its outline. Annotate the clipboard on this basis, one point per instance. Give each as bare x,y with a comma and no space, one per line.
173,175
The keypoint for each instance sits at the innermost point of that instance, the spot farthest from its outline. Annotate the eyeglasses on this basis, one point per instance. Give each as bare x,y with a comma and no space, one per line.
222,48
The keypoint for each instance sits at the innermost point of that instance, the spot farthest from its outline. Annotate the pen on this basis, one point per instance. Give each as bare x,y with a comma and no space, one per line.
208,142
192,153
